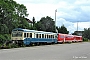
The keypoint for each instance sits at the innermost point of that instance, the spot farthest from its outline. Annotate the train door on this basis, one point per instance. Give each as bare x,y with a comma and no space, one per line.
61,38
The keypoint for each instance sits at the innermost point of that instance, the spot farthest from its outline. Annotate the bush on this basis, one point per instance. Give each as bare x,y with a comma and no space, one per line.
13,45
4,37
85,39
10,45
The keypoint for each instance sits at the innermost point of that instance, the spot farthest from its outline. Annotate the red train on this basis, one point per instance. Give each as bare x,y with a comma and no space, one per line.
68,38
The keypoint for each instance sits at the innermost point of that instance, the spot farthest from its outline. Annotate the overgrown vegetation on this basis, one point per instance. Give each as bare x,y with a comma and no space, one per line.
4,37
85,39
12,15
86,33
8,46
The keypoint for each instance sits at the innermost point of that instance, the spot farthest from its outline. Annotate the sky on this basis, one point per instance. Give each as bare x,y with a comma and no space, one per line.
70,13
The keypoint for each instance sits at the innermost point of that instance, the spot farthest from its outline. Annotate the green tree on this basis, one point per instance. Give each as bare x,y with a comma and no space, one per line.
33,20
86,33
62,29
46,24
12,15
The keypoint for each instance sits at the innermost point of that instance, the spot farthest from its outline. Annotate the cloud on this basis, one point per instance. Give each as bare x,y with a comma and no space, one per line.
72,26
68,12
69,25
78,11
75,10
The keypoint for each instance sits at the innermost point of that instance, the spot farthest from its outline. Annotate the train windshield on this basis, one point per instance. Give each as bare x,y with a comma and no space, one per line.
16,34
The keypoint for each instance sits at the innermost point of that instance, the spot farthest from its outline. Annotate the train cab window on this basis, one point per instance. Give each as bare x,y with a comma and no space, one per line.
16,34
24,34
30,35
19,34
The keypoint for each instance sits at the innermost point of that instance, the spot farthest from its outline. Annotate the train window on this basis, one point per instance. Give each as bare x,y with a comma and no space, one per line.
30,35
16,34
24,34
19,34
42,35
49,36
36,35
53,36
45,36
61,36
39,35
68,37
27,34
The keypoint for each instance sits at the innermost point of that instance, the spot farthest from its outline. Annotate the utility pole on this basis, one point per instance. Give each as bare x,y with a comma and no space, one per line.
77,25
55,19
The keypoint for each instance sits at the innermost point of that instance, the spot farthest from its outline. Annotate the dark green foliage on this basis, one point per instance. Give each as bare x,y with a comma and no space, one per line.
62,29
13,46
33,21
4,29
85,39
31,27
74,33
46,24
12,16
4,37
86,33
10,45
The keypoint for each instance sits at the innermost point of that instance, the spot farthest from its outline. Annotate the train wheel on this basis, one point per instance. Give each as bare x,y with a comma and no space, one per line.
37,44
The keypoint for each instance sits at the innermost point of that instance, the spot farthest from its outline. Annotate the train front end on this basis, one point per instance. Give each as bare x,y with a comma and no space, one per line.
17,36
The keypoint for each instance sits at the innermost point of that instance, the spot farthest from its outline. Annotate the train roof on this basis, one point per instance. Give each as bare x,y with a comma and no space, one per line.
43,32
37,32
25,30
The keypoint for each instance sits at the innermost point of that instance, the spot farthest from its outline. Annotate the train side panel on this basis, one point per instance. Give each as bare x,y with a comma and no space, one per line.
29,41
69,38
78,38
41,37
61,38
